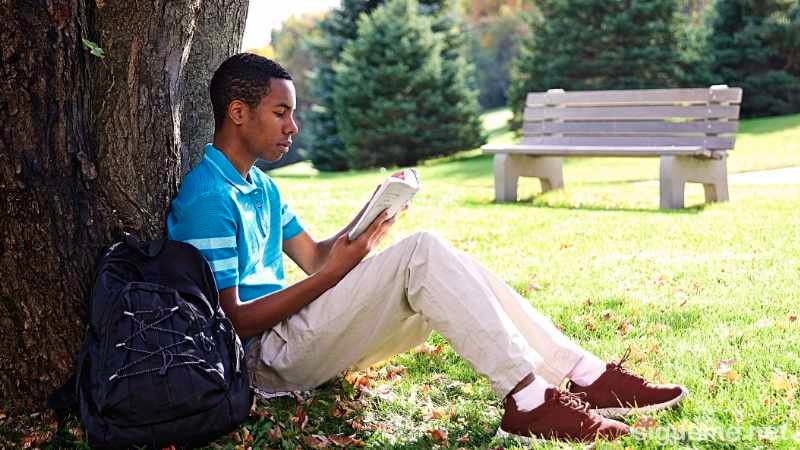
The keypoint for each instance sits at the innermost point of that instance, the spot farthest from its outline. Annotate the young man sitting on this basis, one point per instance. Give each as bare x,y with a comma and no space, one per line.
351,311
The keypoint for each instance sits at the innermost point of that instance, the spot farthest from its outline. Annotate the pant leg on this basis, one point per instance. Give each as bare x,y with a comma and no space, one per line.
390,302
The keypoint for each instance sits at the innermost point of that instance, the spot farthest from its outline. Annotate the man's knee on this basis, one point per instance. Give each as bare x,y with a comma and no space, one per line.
428,239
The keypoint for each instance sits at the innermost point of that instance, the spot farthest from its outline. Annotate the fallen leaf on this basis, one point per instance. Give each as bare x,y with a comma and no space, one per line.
732,376
463,439
300,418
624,327
439,435
26,441
235,437
587,302
430,349
315,441
337,410
605,315
787,383
724,366
564,246
275,434
645,423
589,325
346,441
247,438
792,317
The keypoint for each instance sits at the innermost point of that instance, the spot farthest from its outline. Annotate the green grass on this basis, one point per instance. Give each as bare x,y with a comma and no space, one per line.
697,286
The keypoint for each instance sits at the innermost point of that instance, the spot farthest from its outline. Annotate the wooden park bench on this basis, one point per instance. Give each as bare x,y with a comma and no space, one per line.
691,130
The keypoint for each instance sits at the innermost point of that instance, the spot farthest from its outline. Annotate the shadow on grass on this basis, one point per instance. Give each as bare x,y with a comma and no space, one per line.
536,202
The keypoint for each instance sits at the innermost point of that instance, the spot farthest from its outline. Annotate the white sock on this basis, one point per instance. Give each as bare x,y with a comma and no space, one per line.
588,370
531,395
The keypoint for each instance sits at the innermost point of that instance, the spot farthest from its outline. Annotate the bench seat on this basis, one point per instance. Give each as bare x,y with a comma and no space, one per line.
690,130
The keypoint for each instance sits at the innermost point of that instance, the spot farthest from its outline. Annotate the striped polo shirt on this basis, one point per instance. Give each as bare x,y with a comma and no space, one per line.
238,224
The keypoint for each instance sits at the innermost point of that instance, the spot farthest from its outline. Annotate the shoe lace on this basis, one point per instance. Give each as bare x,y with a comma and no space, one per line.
618,366
573,400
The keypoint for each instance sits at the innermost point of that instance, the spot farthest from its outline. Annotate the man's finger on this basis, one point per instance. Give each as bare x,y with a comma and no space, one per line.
375,224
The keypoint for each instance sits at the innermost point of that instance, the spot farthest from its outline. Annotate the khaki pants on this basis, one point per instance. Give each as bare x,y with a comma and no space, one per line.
391,301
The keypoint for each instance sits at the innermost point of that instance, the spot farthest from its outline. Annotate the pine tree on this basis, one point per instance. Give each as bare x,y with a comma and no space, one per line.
399,96
598,44
325,149
755,45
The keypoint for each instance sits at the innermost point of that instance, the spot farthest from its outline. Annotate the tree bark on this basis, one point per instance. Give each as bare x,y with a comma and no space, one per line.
89,147
218,35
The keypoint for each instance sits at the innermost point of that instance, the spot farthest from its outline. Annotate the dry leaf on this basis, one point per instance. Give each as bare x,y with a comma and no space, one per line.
345,441
732,376
300,418
587,302
247,438
235,437
275,434
463,439
624,327
785,383
439,436
645,423
564,246
315,441
605,315
724,366
792,317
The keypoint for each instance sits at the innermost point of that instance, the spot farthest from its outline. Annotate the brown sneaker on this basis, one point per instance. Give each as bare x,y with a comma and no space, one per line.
562,416
618,393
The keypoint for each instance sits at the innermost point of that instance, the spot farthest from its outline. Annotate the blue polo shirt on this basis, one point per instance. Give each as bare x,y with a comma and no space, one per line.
238,224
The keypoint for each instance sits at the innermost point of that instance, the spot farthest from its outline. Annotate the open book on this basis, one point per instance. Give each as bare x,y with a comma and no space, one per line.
393,194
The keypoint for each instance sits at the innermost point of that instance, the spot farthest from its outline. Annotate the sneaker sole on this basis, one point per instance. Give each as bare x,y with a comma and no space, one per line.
615,413
528,441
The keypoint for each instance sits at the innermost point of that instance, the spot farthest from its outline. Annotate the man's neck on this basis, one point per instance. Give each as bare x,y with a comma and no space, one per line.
233,150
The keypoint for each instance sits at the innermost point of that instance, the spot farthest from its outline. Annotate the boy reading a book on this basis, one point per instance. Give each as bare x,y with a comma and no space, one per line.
351,311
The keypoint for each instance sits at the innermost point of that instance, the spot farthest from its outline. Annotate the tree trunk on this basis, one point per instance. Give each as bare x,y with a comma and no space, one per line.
89,147
218,35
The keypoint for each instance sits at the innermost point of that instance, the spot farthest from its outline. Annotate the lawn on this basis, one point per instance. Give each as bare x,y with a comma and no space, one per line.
706,296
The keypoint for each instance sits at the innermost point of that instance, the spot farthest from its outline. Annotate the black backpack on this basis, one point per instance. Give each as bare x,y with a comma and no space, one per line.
161,364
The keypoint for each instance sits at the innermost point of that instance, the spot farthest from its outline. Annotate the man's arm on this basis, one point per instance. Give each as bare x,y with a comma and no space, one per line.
255,316
311,255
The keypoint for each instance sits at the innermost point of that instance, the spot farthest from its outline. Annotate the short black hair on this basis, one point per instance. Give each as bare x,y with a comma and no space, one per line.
245,77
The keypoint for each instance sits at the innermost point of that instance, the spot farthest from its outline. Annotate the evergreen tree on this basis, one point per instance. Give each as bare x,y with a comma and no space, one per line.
325,149
598,44
399,96
755,45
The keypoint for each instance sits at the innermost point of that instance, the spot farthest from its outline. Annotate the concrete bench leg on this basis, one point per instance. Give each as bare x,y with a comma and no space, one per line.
508,169
676,171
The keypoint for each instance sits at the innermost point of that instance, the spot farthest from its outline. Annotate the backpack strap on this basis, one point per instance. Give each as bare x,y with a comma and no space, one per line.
147,248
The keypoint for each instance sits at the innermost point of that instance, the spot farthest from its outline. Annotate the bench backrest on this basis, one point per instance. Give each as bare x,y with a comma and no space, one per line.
706,117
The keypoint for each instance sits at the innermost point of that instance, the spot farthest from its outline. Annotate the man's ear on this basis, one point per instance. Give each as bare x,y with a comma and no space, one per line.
237,111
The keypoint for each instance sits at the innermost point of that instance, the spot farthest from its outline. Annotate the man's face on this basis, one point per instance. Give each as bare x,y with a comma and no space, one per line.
270,126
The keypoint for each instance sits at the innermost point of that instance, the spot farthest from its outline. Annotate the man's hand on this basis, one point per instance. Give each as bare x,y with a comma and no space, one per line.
346,254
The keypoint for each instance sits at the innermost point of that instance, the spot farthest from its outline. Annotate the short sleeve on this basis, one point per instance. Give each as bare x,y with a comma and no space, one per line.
291,226
209,223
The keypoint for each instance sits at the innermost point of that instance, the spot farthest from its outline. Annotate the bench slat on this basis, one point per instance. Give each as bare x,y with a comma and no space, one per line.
654,127
712,143
634,97
563,150
607,113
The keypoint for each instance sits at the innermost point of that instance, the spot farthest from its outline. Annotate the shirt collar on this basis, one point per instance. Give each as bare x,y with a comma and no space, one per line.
224,166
